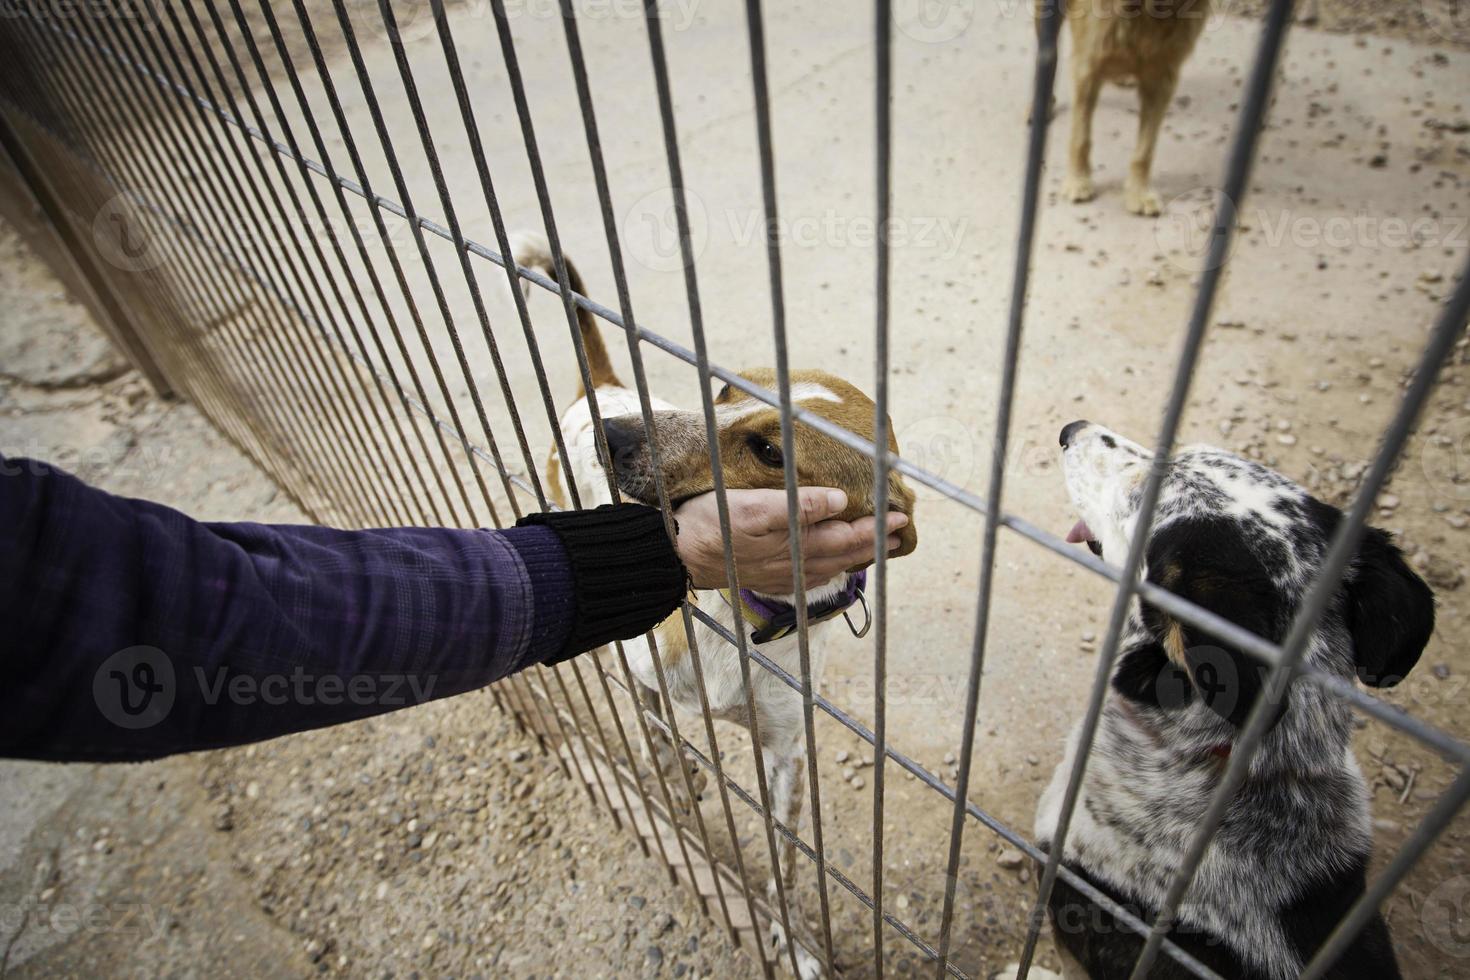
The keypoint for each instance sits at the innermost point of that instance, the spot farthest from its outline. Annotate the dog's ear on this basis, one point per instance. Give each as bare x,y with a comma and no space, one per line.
1389,609
1206,561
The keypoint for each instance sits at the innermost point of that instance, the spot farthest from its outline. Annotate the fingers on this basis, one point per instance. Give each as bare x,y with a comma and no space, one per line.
824,570
833,546
759,512
817,504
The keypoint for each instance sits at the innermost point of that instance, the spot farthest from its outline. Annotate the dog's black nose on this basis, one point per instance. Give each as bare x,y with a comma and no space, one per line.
624,436
1069,430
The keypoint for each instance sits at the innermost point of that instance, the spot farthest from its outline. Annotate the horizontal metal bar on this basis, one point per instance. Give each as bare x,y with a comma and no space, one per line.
948,792
1223,629
686,747
1219,627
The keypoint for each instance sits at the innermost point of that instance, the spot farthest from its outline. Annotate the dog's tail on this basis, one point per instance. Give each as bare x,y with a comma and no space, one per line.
531,250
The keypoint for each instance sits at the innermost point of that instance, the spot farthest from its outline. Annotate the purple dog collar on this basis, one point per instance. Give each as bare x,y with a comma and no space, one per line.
772,620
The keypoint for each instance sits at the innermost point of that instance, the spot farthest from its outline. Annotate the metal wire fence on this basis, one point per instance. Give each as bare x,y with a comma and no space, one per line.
183,118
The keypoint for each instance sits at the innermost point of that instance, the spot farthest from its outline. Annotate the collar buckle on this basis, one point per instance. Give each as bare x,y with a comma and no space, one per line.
867,616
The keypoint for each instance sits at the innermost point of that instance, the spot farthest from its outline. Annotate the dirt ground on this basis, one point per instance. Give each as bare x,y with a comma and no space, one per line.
437,842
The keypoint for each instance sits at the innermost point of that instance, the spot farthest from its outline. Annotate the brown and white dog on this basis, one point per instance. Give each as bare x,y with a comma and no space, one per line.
1141,42
749,444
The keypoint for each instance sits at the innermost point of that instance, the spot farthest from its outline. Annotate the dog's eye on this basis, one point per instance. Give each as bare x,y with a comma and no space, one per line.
765,452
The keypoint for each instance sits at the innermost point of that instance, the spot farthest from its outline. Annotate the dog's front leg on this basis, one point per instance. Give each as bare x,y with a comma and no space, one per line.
786,779
1153,101
667,758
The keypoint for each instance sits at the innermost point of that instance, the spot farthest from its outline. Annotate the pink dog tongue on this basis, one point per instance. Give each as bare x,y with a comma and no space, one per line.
1079,534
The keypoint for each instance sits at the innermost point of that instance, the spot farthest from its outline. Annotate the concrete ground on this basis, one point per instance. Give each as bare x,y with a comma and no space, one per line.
1355,226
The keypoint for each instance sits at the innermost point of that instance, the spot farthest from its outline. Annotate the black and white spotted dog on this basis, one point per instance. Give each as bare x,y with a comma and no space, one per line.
1291,855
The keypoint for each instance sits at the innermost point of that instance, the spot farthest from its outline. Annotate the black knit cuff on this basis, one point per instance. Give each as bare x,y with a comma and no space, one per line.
628,576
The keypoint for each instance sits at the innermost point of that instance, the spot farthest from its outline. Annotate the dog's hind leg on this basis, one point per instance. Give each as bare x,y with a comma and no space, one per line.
1086,84
1154,93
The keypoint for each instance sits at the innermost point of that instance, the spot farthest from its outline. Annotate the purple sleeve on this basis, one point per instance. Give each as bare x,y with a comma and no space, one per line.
133,631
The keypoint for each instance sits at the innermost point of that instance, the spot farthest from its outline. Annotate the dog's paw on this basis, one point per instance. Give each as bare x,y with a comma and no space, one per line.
678,790
808,967
1141,201
1011,970
1078,188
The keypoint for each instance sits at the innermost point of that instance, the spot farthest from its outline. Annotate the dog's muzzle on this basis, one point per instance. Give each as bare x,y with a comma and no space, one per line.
627,447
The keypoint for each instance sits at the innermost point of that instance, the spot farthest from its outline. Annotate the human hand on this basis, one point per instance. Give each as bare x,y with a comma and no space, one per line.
761,538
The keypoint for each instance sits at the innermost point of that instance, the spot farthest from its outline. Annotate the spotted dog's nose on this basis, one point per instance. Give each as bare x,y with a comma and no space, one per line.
1070,430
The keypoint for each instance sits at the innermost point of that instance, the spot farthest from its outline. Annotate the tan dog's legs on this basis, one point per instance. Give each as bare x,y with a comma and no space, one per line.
1086,84
1153,101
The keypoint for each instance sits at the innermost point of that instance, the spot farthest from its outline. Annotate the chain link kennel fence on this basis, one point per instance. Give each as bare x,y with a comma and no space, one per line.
233,229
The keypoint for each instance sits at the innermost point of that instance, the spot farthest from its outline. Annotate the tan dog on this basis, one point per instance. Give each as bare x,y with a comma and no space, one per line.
1141,42
750,449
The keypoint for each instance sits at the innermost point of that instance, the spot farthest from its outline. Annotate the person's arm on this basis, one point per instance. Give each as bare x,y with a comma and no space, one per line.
132,631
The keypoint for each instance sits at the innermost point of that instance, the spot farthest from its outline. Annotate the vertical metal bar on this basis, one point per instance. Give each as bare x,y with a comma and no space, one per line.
184,145
113,313
788,447
391,158
427,507
523,114
642,387
1237,176
400,277
1048,29
606,752
334,102
587,782
346,424
1428,831
538,179
371,447
1450,325
411,216
90,99
702,365
883,119
436,170
617,717
502,239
